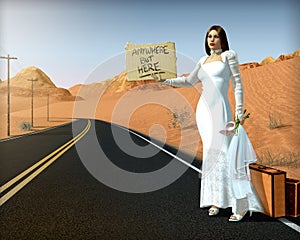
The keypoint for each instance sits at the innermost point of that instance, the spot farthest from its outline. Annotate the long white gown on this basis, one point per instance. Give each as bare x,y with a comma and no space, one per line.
212,114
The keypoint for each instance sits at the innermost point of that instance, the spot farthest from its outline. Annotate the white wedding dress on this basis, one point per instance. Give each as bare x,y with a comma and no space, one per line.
212,114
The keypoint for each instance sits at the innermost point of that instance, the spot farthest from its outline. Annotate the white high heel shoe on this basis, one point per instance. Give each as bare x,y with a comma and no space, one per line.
238,217
213,211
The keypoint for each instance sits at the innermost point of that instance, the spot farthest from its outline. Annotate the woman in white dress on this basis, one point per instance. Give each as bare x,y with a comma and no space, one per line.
218,190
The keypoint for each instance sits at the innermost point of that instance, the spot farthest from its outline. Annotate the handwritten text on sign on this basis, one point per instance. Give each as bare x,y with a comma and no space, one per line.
143,60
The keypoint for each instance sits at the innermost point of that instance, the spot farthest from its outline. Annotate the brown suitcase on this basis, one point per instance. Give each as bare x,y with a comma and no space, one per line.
269,184
292,197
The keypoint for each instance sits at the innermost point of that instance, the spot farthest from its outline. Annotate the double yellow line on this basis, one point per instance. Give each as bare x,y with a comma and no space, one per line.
48,159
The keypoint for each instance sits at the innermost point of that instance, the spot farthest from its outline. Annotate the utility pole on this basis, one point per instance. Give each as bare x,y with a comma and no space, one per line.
8,90
48,110
32,80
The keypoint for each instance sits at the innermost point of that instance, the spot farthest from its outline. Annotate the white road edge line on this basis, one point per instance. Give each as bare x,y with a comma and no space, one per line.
162,149
283,220
290,224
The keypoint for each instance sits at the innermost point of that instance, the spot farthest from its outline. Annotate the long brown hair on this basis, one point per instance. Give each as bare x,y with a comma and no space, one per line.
222,35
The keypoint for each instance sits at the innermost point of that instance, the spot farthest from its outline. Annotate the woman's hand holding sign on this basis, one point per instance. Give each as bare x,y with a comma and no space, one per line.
158,79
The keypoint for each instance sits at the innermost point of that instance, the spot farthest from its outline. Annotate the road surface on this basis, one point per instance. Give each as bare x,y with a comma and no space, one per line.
64,201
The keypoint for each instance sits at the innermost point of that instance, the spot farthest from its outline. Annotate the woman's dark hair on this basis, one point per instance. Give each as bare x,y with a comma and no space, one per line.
222,35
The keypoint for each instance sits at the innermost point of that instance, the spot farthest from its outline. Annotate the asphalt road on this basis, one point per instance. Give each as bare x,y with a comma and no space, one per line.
66,202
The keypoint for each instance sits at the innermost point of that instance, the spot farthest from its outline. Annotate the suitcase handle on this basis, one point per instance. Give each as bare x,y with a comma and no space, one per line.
262,167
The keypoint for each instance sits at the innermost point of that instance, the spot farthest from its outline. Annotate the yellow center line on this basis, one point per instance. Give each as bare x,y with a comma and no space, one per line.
21,175
60,151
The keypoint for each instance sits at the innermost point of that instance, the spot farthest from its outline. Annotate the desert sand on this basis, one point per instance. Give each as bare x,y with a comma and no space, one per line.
167,113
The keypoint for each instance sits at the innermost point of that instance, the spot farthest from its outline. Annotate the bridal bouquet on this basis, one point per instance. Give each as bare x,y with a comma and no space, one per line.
231,128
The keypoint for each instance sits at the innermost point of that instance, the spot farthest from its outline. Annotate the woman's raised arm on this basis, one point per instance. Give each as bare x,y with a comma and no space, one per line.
188,81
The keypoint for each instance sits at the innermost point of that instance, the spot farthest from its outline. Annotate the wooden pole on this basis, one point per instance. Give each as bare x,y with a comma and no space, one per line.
32,80
48,110
8,91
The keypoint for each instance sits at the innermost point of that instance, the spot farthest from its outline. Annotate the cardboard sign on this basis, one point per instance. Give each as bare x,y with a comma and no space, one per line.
142,60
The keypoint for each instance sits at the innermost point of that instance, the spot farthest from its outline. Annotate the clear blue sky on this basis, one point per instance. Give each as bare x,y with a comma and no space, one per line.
68,39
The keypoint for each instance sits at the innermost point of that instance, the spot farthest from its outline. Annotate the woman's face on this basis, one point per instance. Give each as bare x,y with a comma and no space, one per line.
213,40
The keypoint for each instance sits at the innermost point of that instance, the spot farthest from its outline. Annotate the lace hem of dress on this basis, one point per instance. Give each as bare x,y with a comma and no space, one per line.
216,188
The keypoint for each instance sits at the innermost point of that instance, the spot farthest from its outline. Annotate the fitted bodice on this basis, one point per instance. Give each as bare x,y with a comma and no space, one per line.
215,78
218,73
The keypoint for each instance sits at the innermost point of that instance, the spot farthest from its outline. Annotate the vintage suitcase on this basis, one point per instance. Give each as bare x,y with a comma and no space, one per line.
292,187
269,184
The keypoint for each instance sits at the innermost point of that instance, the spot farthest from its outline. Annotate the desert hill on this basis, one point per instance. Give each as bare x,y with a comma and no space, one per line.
119,84
21,86
31,73
249,65
270,59
282,57
74,89
85,91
